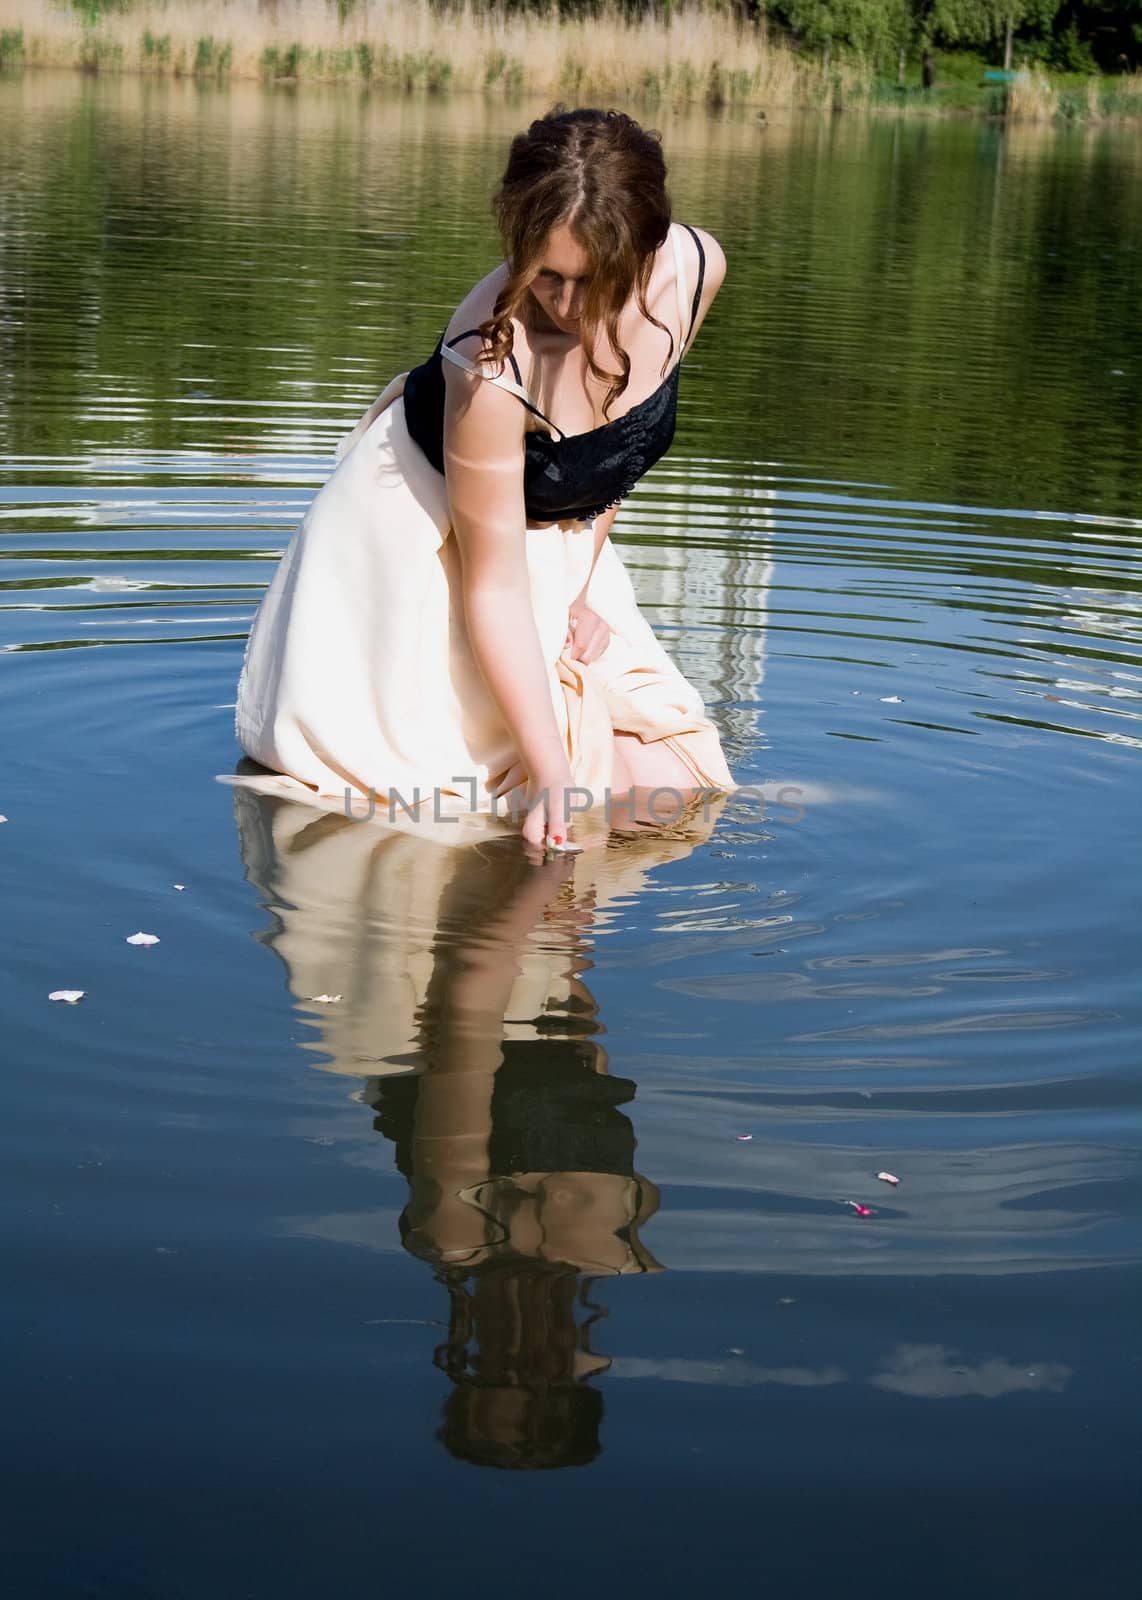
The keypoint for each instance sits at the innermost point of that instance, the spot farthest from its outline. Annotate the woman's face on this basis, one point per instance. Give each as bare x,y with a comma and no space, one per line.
560,284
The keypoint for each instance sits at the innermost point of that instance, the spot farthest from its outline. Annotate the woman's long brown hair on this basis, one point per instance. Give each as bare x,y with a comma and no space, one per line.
603,176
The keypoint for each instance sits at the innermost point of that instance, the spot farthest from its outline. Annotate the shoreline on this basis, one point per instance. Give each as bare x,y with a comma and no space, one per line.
411,83
653,63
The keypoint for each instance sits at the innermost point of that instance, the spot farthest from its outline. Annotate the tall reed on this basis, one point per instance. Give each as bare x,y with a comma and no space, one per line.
677,56
1032,98
692,52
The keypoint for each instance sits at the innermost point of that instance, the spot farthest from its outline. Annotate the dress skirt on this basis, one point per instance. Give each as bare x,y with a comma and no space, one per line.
359,676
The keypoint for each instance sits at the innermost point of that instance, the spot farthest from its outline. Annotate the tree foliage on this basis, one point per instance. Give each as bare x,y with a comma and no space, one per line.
867,26
1071,34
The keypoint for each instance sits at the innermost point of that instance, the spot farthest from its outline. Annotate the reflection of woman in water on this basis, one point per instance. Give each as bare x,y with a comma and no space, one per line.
460,1000
521,1177
555,1203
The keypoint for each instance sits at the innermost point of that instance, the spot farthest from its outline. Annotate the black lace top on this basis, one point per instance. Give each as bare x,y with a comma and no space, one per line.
566,477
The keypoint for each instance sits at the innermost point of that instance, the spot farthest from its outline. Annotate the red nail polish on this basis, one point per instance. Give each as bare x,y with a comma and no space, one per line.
558,837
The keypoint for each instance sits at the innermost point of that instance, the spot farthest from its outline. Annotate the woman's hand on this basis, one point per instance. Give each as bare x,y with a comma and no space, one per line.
546,822
587,634
544,800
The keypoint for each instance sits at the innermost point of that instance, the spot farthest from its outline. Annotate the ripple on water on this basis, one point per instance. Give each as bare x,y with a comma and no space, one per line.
907,943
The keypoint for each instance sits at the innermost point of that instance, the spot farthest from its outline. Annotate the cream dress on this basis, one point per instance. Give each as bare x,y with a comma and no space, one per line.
359,677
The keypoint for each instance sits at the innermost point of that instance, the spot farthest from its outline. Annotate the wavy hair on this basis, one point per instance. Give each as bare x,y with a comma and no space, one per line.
603,176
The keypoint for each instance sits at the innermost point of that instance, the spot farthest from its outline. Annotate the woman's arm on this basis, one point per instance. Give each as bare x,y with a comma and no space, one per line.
587,634
602,531
483,466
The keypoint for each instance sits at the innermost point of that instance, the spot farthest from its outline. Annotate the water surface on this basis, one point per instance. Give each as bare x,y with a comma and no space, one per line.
297,1291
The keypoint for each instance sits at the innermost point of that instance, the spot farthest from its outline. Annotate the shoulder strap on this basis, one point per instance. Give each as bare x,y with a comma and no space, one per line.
474,333
482,371
697,301
679,281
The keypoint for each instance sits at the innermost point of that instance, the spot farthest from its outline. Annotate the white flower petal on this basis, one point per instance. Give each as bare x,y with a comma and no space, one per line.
70,995
143,938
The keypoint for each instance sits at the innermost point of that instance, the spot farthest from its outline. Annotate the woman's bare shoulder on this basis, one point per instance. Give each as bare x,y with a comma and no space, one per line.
715,256
478,304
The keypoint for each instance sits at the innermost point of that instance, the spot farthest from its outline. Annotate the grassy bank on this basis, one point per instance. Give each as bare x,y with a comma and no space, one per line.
691,56
1035,95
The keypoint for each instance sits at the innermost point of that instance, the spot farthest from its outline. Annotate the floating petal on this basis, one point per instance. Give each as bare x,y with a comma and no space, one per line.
888,1177
69,995
142,938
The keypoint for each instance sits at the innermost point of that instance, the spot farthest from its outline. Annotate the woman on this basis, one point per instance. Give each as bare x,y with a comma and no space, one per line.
451,623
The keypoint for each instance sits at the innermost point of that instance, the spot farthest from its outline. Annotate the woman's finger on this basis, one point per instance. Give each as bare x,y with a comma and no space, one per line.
547,820
535,827
558,831
511,779
583,637
594,643
599,644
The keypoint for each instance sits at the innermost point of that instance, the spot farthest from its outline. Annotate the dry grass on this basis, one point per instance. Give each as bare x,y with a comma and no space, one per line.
1113,99
1031,98
1035,99
695,56
698,55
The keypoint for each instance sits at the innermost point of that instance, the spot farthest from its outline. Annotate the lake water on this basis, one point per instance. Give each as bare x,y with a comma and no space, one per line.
297,1291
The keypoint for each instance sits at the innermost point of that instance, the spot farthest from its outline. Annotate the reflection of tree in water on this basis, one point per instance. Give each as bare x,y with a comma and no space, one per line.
492,1085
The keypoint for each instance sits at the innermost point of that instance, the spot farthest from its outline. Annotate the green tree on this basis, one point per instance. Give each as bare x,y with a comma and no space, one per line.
1103,33
869,27
984,21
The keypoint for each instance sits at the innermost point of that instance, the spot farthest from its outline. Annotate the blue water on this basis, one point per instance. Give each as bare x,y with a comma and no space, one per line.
528,1261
